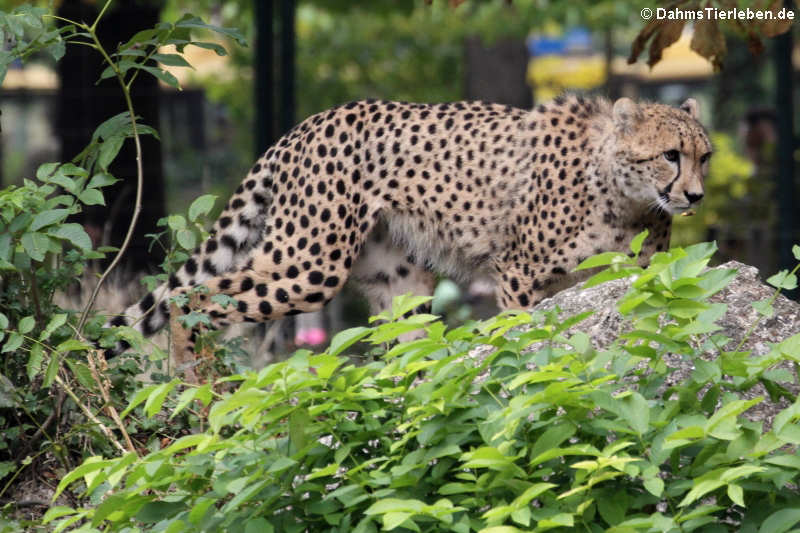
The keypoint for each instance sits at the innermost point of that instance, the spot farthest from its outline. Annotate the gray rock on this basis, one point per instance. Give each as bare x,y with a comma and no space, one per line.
606,324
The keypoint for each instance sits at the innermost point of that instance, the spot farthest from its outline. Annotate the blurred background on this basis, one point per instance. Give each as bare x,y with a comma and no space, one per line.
308,55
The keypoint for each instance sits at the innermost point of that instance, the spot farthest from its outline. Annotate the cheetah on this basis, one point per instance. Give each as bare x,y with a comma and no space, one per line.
454,188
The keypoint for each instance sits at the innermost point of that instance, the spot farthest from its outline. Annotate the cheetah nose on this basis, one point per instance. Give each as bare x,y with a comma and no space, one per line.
693,197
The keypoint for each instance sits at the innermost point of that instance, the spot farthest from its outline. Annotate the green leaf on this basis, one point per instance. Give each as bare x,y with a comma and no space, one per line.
46,218
101,180
36,245
176,222
344,339
51,371
109,149
172,60
73,233
781,521
140,396
702,486
186,239
56,321
682,308
157,396
796,252
298,422
654,486
45,171
201,206
764,307
14,341
736,494
82,373
636,243
604,259
92,197
257,525
783,280
57,512
35,359
26,325
162,75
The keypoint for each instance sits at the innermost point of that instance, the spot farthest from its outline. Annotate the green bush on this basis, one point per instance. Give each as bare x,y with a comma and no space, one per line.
541,432
56,401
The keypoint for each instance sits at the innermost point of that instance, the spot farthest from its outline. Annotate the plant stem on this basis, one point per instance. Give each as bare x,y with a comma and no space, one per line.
139,173
107,432
99,16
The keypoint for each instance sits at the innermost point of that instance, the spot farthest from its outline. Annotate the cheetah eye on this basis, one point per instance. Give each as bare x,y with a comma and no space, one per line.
705,157
672,155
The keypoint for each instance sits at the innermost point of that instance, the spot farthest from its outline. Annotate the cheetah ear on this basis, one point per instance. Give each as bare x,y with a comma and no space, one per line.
626,115
692,107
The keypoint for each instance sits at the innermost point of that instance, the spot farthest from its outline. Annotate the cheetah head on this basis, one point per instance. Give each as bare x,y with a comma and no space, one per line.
661,154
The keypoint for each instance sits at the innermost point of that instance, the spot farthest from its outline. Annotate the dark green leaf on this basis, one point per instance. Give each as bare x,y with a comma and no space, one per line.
74,233
92,197
46,218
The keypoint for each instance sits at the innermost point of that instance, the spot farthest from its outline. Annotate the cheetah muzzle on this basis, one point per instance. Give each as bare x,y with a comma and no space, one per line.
385,193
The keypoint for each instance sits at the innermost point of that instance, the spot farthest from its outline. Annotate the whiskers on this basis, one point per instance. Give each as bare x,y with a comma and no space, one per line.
659,204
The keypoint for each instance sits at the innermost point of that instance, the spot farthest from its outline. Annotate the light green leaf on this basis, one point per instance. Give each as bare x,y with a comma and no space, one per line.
176,222
14,341
186,239
140,396
654,486
57,512
109,149
394,519
156,397
604,259
736,494
701,488
764,307
781,521
26,325
344,339
201,206
783,280
636,243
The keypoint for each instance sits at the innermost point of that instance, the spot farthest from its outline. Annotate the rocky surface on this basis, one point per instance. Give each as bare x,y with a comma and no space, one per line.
606,324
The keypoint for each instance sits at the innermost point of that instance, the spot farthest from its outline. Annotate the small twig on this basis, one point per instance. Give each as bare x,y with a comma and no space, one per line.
93,358
107,432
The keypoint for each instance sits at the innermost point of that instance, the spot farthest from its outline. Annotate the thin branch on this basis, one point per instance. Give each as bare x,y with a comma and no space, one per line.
139,176
107,432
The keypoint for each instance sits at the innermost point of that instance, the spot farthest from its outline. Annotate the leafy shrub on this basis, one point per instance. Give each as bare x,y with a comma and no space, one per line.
541,432
49,386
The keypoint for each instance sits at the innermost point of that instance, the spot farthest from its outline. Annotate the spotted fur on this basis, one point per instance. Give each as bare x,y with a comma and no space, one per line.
458,188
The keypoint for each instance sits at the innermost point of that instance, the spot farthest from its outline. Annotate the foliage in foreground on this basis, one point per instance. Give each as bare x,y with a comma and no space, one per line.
543,432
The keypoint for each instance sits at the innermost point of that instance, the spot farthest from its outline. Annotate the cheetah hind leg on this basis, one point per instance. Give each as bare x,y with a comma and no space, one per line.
259,297
384,271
